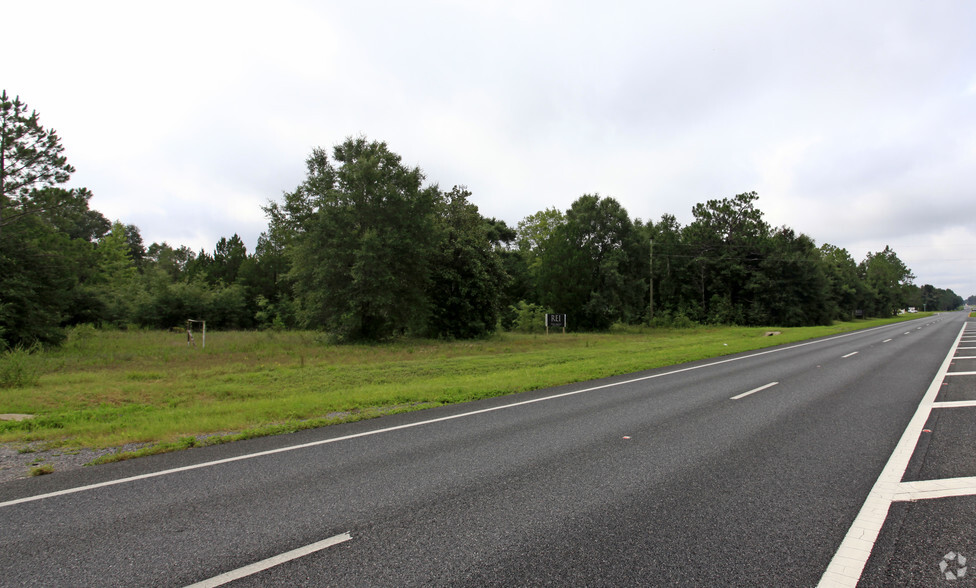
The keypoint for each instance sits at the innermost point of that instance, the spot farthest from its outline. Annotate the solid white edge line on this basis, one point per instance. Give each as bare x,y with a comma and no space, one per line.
271,562
847,565
417,424
759,389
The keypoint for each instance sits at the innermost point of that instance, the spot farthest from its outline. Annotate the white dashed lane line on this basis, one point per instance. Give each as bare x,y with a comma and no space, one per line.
753,391
271,562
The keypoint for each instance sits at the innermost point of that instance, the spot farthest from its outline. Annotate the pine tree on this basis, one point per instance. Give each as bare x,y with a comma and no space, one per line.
31,157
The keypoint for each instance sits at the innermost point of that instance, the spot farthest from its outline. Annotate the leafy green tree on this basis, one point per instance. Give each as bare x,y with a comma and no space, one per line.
790,288
166,303
31,157
38,282
534,231
590,266
172,261
885,276
670,266
948,300
518,281
67,211
845,291
727,239
117,279
466,271
267,293
362,237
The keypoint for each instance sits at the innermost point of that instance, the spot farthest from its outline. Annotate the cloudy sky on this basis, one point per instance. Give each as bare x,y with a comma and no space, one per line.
854,121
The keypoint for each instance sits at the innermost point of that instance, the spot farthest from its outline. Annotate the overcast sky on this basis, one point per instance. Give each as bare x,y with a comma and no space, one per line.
854,121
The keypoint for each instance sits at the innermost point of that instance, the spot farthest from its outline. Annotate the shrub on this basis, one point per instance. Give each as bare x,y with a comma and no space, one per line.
529,318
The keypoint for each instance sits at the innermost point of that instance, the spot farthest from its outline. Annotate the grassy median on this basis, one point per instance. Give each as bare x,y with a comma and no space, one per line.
106,389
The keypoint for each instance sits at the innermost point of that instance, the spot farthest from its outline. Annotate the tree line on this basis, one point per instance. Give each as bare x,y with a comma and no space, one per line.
366,250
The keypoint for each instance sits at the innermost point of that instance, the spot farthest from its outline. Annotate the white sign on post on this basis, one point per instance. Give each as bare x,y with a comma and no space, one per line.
555,320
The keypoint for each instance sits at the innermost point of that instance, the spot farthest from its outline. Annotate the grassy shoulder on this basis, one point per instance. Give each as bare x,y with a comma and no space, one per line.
107,389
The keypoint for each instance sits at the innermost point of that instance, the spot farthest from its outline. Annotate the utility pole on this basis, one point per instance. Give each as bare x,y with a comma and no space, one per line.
650,281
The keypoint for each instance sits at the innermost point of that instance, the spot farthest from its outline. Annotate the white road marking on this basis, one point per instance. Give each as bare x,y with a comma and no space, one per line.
887,341
928,489
271,562
849,355
416,424
847,565
954,404
759,389
961,374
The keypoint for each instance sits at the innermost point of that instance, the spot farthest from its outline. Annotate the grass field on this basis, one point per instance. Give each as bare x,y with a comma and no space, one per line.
106,389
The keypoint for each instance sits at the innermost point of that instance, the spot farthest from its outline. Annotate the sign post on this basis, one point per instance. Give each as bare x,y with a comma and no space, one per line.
555,320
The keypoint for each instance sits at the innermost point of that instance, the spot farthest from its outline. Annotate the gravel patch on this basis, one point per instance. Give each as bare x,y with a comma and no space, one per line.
18,459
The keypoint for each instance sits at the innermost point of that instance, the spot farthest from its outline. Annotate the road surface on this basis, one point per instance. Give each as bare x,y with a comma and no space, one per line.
746,470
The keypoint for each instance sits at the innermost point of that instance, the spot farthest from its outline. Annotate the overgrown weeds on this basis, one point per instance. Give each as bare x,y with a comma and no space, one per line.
18,368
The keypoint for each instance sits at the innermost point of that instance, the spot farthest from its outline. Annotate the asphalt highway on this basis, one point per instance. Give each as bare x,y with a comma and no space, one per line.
745,470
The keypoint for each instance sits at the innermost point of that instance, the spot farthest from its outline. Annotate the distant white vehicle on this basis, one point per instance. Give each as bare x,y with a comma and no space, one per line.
912,309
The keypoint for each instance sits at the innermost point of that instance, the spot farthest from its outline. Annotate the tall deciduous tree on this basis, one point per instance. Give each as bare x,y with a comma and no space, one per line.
466,272
885,276
845,291
31,157
362,236
589,267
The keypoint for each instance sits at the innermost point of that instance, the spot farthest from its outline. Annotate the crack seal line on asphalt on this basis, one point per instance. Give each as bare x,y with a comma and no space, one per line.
847,565
271,562
419,423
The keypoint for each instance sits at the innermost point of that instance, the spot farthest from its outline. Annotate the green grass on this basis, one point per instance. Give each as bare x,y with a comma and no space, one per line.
106,389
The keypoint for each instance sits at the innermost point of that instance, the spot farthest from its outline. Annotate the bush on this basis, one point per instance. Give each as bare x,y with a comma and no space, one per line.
668,320
529,318
17,368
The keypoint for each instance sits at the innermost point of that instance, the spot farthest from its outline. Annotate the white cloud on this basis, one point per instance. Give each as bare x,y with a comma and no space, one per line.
853,121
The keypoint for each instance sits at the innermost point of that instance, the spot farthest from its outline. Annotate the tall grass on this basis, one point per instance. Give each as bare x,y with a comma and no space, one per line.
108,388
17,368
